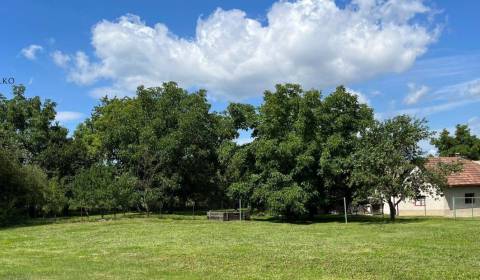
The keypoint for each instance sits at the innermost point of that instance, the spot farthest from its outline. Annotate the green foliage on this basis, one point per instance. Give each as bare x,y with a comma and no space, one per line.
124,192
85,184
244,116
463,143
21,188
100,189
30,124
54,199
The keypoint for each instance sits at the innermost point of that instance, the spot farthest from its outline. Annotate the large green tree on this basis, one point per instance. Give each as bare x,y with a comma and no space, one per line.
37,146
300,157
166,137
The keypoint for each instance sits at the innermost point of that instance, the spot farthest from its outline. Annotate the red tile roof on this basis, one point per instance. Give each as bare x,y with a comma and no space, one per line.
469,176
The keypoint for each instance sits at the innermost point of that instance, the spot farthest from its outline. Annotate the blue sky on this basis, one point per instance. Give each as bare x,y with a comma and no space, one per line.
416,57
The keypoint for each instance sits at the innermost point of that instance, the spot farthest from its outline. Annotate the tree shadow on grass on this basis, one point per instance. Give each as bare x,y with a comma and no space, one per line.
31,222
357,219
201,216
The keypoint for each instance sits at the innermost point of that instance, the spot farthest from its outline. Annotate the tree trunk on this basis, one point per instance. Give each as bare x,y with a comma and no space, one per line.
393,211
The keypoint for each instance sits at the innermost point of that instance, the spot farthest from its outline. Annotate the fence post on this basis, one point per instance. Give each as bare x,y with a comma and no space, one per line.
472,201
345,208
425,205
454,210
383,209
240,208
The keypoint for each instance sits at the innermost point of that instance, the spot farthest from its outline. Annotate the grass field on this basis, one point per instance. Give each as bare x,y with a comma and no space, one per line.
181,248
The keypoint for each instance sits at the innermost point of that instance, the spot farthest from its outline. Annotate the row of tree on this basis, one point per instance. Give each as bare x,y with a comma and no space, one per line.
165,148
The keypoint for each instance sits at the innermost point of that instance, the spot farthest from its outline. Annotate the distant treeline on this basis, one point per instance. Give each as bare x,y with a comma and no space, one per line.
165,148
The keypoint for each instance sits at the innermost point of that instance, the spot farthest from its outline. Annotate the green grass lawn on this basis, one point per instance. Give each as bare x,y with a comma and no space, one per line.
181,248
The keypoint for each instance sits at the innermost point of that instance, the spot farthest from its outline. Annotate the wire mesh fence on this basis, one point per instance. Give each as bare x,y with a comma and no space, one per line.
466,206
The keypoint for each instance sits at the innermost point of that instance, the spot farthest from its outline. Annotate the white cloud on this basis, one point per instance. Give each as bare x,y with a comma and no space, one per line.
415,93
245,137
443,99
428,148
465,90
31,51
60,59
243,140
312,42
67,116
109,92
474,125
473,88
362,98
430,110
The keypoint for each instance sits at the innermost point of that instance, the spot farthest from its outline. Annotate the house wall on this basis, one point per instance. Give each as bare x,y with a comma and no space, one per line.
462,209
441,205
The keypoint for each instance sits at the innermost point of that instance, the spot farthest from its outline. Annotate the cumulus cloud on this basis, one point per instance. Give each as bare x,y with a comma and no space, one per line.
31,51
67,116
362,98
60,59
312,42
416,93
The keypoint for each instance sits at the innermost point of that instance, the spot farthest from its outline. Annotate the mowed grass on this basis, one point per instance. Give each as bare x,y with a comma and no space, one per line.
183,248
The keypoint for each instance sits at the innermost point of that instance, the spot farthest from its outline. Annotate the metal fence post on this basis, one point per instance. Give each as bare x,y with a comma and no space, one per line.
425,205
240,208
454,210
472,201
345,208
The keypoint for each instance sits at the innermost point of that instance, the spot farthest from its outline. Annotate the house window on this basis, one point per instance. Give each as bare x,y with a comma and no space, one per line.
469,198
420,201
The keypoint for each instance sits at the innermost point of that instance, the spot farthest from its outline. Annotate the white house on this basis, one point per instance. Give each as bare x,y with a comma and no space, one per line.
460,194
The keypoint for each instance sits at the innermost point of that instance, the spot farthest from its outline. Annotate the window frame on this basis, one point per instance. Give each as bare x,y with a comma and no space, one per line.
469,198
420,200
